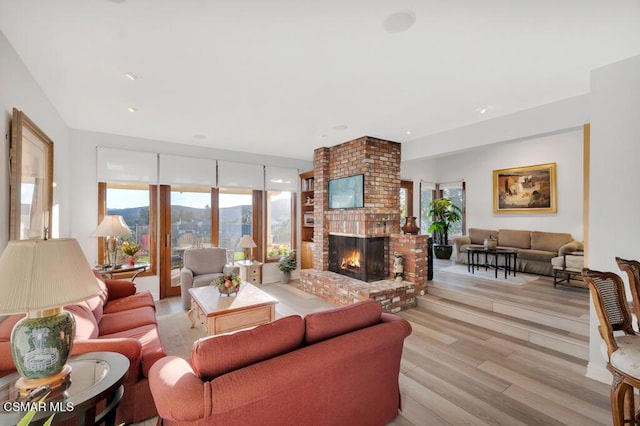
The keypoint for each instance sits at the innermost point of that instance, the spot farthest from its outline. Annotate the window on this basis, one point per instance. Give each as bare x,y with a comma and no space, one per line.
279,223
133,202
235,210
406,200
456,193
427,192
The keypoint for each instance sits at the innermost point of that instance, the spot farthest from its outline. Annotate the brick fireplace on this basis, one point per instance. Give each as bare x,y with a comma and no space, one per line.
377,223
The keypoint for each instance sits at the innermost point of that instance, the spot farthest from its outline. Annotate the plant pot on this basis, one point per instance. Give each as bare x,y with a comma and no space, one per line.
442,251
285,277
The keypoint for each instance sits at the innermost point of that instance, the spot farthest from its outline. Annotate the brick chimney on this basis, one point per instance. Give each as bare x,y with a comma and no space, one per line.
379,161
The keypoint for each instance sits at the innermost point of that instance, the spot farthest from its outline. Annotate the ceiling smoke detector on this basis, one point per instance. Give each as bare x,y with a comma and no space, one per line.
399,22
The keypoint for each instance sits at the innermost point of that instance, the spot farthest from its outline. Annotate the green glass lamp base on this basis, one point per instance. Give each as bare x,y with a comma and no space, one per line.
41,343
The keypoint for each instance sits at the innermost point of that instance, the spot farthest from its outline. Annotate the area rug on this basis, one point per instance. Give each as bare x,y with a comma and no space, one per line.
177,335
519,279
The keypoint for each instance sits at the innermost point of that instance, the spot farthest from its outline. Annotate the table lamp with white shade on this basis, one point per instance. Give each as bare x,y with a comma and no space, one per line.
247,244
39,277
111,228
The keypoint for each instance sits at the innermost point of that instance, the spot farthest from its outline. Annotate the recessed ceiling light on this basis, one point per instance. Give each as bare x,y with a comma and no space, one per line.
408,132
131,76
399,22
132,109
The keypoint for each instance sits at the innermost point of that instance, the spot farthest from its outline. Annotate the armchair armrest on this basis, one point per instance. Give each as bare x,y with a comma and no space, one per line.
570,247
186,277
177,391
230,269
120,288
461,241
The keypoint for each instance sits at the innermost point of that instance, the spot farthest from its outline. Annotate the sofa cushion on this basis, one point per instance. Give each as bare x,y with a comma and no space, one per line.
126,320
152,347
325,325
214,356
514,238
537,255
479,235
549,241
137,300
104,290
97,307
86,324
205,260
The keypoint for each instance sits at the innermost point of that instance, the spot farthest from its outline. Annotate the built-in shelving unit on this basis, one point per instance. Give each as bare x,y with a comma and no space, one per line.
306,229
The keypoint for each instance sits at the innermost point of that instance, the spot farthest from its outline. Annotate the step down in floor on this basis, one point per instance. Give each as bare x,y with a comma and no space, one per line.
549,337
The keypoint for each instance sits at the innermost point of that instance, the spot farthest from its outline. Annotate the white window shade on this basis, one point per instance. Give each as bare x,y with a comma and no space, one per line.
240,175
281,179
179,170
119,165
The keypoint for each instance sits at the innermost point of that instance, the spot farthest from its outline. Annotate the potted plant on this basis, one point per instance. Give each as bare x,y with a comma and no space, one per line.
443,214
286,264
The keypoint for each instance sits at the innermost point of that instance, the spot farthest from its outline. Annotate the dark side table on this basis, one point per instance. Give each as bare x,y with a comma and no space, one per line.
509,265
95,376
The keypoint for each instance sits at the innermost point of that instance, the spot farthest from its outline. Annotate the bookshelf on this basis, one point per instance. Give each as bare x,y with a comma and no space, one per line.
306,229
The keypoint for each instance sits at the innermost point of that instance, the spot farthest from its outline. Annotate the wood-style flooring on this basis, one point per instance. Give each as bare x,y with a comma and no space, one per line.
457,373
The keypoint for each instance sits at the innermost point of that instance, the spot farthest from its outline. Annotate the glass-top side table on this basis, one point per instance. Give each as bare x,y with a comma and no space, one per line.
95,376
109,272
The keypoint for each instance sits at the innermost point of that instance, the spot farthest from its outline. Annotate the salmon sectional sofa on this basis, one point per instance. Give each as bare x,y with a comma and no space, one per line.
337,367
118,320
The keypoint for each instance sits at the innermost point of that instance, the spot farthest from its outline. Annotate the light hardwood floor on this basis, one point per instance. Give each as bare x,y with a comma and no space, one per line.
456,373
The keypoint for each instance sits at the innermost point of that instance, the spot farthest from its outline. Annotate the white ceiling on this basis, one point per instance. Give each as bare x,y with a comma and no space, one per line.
285,77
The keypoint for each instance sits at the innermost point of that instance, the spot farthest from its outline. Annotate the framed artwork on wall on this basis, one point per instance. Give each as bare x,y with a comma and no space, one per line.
31,181
528,189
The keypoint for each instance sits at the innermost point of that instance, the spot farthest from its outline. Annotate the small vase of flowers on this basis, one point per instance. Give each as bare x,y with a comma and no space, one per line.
130,250
228,284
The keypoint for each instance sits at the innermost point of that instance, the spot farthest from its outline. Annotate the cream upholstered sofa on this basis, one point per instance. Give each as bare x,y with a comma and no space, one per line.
535,248
201,266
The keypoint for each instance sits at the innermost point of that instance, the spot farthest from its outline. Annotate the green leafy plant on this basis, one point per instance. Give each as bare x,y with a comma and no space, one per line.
443,214
287,262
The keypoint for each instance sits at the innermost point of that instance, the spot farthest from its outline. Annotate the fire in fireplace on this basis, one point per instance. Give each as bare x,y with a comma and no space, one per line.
360,258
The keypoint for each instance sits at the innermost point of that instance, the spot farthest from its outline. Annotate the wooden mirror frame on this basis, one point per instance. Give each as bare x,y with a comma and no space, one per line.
31,170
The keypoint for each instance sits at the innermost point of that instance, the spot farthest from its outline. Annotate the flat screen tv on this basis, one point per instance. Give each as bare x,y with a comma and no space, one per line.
346,192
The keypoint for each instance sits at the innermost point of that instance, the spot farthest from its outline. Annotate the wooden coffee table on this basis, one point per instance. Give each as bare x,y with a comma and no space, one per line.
220,313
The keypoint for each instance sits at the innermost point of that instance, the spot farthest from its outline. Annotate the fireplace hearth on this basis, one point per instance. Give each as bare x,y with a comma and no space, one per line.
362,258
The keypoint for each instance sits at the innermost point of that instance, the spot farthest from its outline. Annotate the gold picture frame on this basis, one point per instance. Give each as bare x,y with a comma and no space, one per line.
528,189
31,180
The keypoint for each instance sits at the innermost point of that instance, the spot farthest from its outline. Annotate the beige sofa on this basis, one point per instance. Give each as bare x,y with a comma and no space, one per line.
535,249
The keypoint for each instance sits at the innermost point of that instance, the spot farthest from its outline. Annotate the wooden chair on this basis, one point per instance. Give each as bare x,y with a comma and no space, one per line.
623,350
632,268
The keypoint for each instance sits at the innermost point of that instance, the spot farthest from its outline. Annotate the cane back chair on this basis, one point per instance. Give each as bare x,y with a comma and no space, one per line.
623,348
632,268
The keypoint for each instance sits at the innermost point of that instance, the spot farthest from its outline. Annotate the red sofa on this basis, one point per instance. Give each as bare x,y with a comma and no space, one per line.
338,367
118,320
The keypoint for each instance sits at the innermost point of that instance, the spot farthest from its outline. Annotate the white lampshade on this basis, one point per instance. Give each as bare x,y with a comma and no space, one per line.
246,242
42,274
112,226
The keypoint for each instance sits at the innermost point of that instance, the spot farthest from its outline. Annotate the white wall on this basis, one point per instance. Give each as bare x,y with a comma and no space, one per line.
614,222
475,167
18,89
